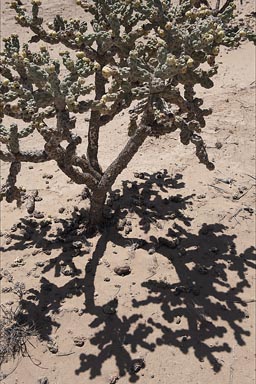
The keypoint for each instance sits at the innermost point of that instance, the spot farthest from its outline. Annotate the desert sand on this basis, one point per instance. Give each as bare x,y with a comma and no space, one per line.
186,312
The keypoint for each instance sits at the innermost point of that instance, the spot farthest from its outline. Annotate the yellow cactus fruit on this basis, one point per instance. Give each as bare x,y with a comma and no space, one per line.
86,60
80,54
171,60
96,66
50,68
43,48
104,99
190,62
221,34
36,2
80,80
168,26
215,51
160,32
5,82
107,71
242,33
53,34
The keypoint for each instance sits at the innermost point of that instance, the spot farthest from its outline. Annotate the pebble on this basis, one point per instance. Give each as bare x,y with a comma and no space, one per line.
39,264
79,341
8,240
43,380
77,244
137,365
47,176
122,270
38,215
151,251
67,270
52,346
113,379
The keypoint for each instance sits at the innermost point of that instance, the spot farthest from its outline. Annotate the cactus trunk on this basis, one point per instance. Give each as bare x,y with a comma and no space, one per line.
97,201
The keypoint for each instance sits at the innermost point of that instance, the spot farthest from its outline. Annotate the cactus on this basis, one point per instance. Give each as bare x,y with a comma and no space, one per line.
146,57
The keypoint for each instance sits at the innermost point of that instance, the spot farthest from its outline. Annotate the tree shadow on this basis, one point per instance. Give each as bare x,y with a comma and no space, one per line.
199,307
203,301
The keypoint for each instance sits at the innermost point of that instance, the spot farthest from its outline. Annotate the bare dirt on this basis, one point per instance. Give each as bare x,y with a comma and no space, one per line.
182,309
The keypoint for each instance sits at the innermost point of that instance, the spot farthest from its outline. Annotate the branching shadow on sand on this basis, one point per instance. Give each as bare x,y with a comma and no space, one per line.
196,299
203,300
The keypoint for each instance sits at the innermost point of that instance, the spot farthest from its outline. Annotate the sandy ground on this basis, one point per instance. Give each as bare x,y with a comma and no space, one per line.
189,311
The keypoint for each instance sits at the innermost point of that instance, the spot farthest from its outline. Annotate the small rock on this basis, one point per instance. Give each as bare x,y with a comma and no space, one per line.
113,379
107,279
6,289
77,244
14,228
39,263
10,302
151,251
127,230
79,341
235,196
19,261
249,209
61,209
43,380
178,320
218,145
35,252
202,196
67,270
38,215
122,270
47,252
8,240
137,365
47,176
52,346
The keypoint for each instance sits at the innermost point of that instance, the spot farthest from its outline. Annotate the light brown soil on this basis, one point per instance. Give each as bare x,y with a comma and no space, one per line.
188,311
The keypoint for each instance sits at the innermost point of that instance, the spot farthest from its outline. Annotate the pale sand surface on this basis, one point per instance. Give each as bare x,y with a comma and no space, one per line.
206,336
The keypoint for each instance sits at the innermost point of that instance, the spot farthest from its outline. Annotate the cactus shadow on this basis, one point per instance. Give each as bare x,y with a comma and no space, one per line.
206,306
199,304
153,199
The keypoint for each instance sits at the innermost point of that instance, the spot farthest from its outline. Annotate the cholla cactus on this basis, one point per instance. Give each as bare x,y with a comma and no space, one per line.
146,56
